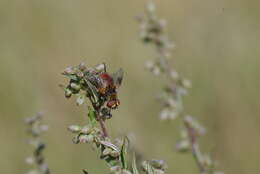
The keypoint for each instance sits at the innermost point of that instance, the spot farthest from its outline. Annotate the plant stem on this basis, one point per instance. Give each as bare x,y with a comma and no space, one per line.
103,127
101,123
36,128
195,147
153,32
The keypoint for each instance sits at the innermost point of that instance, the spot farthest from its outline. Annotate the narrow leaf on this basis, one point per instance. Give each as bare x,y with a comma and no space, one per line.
149,169
123,155
134,167
111,161
71,76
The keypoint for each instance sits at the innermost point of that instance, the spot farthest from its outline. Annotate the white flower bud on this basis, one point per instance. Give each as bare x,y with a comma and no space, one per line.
74,128
86,130
114,153
107,151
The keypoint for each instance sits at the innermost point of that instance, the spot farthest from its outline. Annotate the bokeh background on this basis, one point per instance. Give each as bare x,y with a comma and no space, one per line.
217,47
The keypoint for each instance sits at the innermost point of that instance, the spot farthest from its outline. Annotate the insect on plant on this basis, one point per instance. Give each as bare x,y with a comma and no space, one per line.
96,84
100,87
107,85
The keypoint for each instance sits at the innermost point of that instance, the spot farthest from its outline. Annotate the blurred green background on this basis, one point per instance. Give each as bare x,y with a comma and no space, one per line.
217,47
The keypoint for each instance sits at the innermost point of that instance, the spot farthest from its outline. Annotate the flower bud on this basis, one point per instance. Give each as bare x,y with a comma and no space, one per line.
74,128
207,161
68,70
29,160
151,7
186,83
174,75
44,128
68,93
156,71
82,67
183,146
96,130
80,74
75,86
167,114
75,140
158,164
100,67
80,100
107,151
86,138
115,169
157,171
149,65
114,153
85,130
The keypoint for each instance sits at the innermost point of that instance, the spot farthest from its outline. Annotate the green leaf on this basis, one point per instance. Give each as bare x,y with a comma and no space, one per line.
134,167
92,117
123,154
111,161
71,76
149,169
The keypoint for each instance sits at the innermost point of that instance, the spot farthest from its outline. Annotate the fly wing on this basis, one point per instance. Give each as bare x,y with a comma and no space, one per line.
118,77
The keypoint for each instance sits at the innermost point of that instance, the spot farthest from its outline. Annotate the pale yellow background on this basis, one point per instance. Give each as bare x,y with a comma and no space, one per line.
217,47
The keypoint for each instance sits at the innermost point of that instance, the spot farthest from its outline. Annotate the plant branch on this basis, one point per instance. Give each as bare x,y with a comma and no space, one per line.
153,32
35,129
102,124
91,83
195,149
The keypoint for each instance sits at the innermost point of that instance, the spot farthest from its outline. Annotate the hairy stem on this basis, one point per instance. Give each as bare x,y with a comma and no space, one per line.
101,121
103,126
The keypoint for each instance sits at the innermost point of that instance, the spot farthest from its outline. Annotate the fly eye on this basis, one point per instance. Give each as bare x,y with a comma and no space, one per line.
116,104
113,104
110,104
